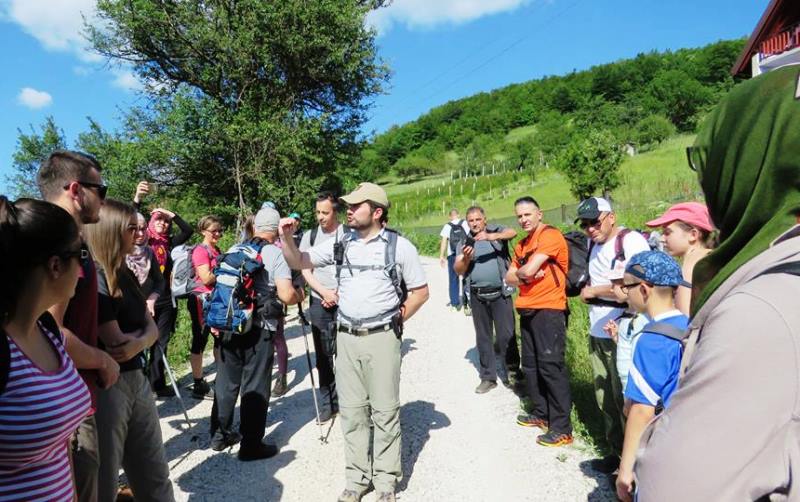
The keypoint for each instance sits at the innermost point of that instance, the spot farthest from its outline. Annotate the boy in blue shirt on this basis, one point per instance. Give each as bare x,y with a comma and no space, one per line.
651,279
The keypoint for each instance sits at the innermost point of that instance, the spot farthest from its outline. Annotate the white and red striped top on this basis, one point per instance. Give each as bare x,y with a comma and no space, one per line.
39,411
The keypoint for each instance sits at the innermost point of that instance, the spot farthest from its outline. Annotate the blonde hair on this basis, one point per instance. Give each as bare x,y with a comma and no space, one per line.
206,222
105,240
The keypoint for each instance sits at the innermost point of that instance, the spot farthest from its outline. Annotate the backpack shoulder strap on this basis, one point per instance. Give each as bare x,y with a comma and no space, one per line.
668,330
619,245
5,360
49,322
313,237
791,268
391,262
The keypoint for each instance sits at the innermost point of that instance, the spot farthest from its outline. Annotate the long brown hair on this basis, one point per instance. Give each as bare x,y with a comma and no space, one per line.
105,240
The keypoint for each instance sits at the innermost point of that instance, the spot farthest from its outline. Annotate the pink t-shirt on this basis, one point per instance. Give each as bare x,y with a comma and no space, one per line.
203,255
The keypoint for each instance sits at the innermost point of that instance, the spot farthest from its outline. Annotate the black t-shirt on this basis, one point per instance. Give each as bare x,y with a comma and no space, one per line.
129,310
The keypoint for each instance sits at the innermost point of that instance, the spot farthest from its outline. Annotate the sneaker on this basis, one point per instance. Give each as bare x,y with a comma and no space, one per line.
458,308
222,441
553,438
165,392
386,497
485,386
258,452
280,387
467,311
200,388
350,496
527,420
605,465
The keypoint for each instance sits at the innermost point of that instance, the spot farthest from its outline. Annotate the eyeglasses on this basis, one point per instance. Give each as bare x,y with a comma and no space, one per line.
82,253
626,287
696,156
102,190
592,223
217,231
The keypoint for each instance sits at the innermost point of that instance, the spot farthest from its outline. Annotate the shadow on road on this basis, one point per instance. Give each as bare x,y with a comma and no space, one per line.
605,490
417,420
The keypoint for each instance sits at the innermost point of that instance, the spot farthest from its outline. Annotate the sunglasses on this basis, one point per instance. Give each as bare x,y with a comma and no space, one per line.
591,223
696,157
102,190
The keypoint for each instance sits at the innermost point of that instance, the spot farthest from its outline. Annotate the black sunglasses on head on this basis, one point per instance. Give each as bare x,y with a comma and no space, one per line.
102,190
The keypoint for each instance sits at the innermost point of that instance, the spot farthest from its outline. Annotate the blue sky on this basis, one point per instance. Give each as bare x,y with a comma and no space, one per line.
438,50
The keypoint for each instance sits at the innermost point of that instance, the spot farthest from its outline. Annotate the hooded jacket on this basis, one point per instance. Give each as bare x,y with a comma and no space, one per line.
732,430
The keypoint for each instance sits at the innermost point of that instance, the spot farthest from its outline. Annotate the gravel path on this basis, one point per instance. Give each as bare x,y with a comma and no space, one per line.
456,444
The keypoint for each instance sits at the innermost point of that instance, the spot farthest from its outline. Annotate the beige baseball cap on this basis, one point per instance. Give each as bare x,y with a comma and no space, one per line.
367,192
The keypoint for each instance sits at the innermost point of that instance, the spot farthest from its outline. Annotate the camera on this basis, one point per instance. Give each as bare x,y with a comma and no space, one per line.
469,241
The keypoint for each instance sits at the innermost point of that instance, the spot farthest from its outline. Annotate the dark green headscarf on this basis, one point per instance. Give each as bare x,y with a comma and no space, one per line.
748,161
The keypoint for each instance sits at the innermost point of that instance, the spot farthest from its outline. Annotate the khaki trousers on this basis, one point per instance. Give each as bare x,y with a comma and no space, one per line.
607,390
368,380
129,436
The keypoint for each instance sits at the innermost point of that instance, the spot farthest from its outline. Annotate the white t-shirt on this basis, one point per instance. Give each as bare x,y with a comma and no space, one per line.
445,233
599,267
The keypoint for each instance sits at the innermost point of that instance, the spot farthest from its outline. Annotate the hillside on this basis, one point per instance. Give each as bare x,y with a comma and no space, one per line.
523,127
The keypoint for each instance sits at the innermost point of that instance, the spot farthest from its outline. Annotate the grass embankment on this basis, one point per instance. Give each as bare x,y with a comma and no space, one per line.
651,182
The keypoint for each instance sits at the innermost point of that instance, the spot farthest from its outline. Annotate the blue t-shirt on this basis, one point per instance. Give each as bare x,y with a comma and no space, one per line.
656,361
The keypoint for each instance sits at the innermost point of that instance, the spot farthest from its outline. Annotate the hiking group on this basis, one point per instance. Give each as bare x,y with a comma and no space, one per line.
92,287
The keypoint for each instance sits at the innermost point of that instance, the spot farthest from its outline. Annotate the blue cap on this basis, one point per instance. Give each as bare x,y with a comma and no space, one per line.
656,267
268,204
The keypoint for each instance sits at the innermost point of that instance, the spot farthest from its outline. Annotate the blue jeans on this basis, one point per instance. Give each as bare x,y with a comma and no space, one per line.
455,282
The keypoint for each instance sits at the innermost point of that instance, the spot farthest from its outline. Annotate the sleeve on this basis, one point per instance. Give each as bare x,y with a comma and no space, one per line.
322,254
200,256
445,233
185,233
712,443
651,370
137,206
279,269
551,243
634,243
305,242
106,304
409,261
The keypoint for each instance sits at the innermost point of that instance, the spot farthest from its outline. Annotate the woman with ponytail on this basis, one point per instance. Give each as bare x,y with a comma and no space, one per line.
42,397
128,430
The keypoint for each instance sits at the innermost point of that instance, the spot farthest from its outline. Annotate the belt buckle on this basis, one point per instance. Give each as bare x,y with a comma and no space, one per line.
361,331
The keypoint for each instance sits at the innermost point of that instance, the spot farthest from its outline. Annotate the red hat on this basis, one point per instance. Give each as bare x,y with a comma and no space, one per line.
693,213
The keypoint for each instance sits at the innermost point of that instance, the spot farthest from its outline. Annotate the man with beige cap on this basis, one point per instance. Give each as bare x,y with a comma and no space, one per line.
371,262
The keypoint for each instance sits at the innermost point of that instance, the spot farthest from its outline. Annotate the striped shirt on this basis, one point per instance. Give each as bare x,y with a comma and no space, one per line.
39,411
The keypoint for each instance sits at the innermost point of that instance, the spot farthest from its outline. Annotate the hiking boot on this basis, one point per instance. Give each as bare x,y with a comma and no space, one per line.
280,387
200,388
165,392
485,386
553,438
258,452
222,441
605,465
350,496
527,420
467,311
386,497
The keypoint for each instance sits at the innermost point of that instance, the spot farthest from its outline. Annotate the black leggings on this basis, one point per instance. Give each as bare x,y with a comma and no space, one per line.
200,331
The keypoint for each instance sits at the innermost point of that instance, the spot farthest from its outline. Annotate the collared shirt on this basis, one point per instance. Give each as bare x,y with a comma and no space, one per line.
326,275
656,362
365,294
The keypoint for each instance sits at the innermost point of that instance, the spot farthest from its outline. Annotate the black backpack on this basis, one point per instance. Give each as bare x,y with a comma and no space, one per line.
47,320
578,268
457,234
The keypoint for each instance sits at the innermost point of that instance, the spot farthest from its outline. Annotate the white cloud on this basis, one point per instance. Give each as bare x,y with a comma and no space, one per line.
34,99
429,13
57,24
126,80
81,71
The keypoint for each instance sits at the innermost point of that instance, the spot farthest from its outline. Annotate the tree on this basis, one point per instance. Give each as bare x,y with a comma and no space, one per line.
279,89
679,97
591,163
31,150
653,129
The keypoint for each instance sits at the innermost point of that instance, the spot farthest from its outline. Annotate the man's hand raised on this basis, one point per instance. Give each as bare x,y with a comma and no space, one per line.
287,227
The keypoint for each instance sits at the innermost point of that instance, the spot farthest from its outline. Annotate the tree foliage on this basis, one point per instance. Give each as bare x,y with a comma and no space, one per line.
32,149
591,163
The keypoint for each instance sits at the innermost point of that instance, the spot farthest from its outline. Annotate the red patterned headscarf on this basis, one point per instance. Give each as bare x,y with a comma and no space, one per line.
159,242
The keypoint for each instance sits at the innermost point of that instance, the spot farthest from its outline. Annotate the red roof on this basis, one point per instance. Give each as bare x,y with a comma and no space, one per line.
779,15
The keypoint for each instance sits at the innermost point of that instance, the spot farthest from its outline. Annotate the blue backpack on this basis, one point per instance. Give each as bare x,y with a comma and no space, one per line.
234,300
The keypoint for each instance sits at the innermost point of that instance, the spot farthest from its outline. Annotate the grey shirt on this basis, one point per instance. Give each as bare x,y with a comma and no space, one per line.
275,267
326,274
484,271
367,294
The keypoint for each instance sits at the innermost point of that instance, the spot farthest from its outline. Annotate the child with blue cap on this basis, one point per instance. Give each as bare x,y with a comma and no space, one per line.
650,281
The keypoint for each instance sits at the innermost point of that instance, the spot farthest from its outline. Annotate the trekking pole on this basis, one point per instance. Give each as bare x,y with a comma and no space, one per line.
175,388
303,324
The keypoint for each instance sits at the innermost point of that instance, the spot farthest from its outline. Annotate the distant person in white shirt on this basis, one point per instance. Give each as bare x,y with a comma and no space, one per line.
453,233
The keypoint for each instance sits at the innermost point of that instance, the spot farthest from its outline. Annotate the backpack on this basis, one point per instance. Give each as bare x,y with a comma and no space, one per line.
578,267
47,320
234,301
184,277
457,234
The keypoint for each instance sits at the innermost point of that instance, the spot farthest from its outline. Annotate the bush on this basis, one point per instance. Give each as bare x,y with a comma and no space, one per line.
653,129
